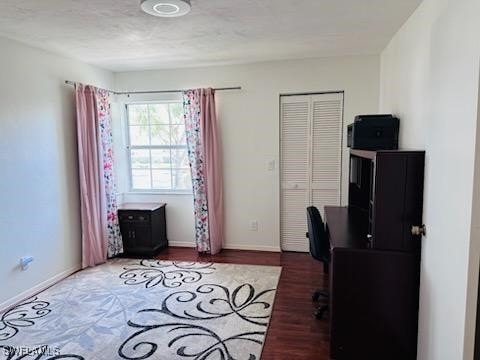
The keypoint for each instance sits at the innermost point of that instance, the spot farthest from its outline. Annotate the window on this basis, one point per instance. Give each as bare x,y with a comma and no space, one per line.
158,147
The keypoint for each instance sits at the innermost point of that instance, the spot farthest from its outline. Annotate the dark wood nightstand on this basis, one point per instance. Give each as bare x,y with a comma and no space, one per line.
143,227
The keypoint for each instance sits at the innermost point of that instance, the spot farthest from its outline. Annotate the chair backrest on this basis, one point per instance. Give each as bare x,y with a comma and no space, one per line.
319,243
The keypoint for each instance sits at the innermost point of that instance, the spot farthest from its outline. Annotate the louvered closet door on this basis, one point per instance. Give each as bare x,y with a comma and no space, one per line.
311,130
326,150
294,140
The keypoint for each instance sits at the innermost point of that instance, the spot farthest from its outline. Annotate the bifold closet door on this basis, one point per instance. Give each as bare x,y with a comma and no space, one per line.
326,150
294,164
311,145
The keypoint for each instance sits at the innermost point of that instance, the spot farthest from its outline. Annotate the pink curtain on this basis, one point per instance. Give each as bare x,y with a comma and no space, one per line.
95,175
213,167
206,166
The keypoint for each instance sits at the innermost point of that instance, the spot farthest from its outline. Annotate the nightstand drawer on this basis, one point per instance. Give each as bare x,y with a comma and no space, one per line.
136,216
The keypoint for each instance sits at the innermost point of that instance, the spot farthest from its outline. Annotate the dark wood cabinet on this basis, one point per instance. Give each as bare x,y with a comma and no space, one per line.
390,190
375,259
374,304
143,228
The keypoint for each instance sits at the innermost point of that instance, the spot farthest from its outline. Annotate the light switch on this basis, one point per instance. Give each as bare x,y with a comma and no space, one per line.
271,165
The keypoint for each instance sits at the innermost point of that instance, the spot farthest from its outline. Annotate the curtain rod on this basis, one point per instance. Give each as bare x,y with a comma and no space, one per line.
68,82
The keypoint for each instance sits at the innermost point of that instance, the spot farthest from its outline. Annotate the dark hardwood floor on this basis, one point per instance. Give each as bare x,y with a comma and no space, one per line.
294,333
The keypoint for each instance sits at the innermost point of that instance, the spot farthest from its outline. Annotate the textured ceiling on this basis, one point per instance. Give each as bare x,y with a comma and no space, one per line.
117,35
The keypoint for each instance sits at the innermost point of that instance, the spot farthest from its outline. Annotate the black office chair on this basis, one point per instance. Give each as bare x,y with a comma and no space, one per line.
320,250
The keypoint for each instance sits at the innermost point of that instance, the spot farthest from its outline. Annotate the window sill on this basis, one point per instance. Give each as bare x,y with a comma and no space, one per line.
146,192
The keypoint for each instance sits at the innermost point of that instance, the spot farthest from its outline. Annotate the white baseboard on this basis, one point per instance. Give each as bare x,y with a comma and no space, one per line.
229,246
252,247
37,289
181,244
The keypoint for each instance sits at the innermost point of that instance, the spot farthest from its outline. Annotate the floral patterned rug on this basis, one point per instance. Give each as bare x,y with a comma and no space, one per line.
145,309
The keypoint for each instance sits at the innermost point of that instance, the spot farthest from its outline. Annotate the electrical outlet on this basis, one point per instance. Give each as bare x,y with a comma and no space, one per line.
253,225
24,261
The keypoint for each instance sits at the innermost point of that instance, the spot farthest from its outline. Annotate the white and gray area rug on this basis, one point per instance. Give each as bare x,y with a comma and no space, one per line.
145,309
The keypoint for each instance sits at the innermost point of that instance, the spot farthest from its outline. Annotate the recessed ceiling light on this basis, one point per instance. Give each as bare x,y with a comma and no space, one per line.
166,8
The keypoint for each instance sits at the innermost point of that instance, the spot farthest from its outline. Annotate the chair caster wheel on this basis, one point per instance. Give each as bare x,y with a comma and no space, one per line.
317,295
318,314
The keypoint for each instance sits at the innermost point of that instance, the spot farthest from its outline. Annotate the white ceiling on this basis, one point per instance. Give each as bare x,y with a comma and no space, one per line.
117,35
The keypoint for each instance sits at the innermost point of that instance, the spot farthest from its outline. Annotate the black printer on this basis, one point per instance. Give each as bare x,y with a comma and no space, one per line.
374,132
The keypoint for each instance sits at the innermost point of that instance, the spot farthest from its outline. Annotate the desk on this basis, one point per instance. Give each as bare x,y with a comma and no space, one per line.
347,226
373,293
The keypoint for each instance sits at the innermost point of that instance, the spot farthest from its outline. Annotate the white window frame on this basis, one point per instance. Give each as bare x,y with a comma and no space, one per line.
129,154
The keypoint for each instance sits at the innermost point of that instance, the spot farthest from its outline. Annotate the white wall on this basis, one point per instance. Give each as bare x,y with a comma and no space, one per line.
39,215
249,122
429,77
474,266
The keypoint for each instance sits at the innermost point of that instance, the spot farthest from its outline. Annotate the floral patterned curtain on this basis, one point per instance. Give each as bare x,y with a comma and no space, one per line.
205,164
191,108
114,237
